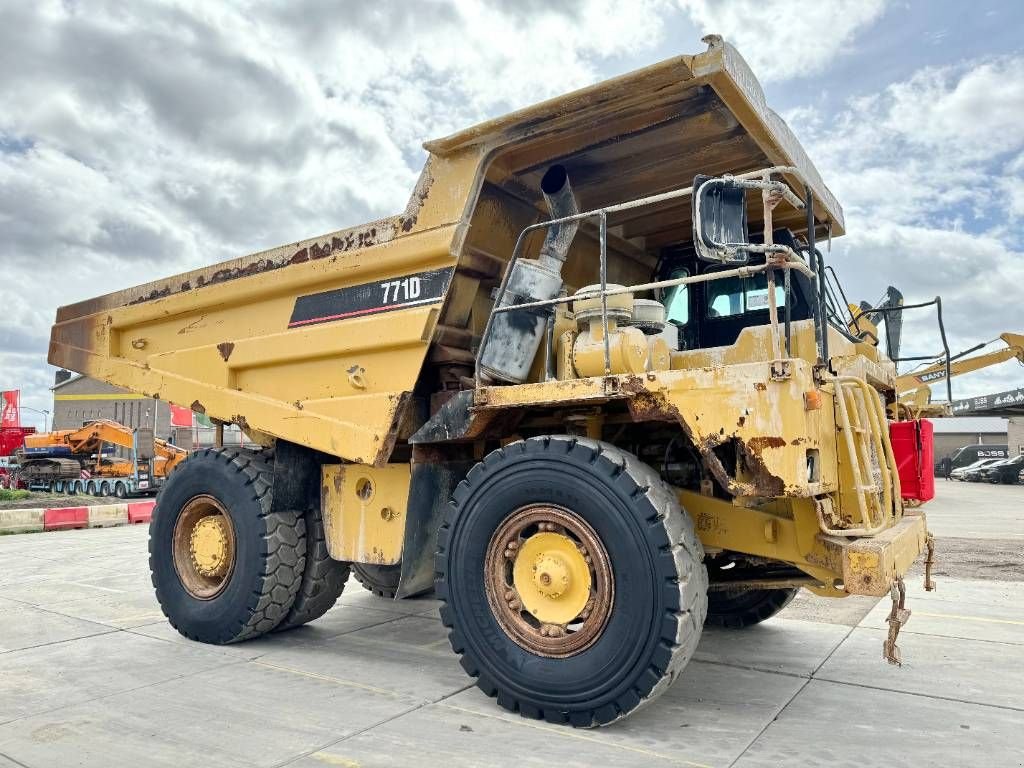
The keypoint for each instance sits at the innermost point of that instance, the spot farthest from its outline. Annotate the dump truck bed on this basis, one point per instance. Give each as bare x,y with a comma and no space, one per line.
329,342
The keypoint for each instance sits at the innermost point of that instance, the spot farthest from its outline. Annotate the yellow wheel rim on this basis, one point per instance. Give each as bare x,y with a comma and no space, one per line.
552,578
203,547
549,581
209,545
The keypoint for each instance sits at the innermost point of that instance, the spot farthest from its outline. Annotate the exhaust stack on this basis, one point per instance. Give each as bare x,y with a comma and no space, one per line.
513,338
561,203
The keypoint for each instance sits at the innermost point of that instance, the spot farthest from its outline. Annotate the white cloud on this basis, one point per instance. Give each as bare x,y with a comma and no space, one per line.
781,39
147,138
929,172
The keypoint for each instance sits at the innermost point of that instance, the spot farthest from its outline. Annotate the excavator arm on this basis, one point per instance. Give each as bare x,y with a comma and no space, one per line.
91,438
915,388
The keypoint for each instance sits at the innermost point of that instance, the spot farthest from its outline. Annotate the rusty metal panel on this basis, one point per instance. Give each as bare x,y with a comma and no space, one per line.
364,511
871,565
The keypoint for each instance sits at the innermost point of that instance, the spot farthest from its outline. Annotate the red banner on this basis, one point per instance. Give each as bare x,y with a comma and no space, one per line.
181,417
10,416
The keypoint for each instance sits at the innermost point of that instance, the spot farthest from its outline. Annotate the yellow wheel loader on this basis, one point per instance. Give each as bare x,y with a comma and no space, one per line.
585,386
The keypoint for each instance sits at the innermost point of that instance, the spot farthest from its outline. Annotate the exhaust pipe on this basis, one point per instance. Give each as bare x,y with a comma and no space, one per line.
513,338
561,203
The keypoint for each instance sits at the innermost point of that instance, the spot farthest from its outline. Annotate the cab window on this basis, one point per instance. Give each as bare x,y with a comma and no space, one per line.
737,295
677,300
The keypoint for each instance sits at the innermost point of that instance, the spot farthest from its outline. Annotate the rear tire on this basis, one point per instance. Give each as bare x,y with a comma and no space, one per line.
382,580
624,520
740,608
323,579
266,555
104,488
72,488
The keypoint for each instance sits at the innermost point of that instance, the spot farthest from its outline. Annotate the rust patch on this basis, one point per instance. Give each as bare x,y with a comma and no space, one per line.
384,451
407,220
758,444
225,349
370,235
741,421
760,386
197,407
651,406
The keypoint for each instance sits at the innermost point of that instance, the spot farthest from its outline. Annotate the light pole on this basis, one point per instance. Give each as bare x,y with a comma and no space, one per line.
45,413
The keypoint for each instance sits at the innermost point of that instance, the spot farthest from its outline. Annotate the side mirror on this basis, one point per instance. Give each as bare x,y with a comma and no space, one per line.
719,220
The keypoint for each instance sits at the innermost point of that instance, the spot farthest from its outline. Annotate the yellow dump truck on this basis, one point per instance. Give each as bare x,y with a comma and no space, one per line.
584,386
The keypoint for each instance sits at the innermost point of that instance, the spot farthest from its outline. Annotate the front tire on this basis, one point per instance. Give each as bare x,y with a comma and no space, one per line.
597,527
740,608
226,566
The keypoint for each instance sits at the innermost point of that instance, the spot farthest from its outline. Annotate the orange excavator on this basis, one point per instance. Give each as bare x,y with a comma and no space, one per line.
101,458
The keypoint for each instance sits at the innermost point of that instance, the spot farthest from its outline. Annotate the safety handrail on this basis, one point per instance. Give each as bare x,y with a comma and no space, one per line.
785,258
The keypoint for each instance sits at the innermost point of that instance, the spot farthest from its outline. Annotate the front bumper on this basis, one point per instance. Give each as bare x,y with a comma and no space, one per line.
872,565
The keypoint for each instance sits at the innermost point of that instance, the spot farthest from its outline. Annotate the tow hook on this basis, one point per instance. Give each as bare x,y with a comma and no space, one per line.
898,616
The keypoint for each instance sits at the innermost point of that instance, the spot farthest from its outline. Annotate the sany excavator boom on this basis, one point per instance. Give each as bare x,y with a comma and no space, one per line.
914,388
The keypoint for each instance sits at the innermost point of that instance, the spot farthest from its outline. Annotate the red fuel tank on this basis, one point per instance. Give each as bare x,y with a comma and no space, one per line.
912,445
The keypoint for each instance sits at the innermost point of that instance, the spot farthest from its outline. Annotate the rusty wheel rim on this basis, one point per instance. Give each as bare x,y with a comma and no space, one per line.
203,546
549,581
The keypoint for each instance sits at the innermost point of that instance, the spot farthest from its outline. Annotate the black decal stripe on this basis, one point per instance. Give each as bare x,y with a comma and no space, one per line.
385,295
358,312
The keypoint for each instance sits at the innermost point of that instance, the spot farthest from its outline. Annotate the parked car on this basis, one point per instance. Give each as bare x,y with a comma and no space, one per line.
975,475
1006,471
959,472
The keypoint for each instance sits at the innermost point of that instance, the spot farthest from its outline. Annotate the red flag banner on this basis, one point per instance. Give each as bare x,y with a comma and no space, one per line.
181,417
10,416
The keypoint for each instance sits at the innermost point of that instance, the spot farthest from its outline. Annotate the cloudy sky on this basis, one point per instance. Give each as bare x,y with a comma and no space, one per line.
139,139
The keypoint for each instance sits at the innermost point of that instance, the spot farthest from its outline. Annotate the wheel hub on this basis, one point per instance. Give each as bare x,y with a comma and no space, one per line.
209,546
549,581
203,546
551,577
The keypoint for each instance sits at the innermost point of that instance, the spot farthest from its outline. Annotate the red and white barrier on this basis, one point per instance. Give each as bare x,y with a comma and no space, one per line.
66,518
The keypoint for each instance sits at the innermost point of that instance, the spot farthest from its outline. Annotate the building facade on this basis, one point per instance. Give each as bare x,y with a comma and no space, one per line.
1015,435
951,434
79,399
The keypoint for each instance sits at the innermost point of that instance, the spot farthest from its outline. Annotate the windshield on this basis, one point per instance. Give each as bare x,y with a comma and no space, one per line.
737,295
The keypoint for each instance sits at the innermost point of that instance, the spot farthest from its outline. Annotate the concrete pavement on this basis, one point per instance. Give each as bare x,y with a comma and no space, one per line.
92,675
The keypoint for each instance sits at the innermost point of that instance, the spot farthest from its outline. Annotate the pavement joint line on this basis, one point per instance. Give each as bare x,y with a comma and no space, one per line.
960,617
16,762
920,695
574,733
68,615
1011,643
792,698
94,699
749,668
106,631
332,679
363,730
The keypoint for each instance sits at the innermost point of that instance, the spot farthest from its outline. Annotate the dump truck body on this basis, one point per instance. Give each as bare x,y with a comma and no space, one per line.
551,296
